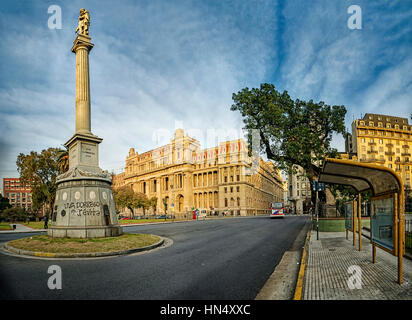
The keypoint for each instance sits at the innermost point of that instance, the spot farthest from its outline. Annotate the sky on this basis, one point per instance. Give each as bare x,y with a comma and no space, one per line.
159,65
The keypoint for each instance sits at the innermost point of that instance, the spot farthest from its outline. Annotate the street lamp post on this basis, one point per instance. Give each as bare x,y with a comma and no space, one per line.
173,202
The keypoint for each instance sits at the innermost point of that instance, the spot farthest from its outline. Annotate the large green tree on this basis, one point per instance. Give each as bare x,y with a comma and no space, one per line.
291,132
125,197
39,170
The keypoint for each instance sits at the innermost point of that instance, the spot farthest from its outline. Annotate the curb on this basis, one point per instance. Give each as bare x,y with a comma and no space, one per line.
188,220
26,231
301,275
82,255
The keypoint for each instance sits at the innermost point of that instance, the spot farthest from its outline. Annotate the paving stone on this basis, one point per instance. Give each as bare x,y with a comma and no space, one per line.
327,276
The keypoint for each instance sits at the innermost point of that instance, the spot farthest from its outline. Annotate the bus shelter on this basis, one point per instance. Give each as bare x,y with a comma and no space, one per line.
387,203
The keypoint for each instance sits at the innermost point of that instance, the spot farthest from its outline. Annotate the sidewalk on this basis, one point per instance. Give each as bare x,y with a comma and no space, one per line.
21,229
326,274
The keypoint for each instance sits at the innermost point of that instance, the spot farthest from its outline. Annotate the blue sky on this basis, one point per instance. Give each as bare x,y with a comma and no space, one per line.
158,65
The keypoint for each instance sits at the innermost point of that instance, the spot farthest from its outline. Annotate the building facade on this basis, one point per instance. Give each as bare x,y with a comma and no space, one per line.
183,176
299,191
18,194
382,140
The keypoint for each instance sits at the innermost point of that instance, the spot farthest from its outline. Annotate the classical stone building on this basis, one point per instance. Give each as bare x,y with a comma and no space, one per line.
221,178
382,140
299,191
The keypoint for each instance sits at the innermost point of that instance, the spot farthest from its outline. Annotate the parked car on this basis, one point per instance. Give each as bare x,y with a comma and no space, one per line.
202,214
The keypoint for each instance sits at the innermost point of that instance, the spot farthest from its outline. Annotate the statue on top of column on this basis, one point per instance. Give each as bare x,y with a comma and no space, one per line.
84,22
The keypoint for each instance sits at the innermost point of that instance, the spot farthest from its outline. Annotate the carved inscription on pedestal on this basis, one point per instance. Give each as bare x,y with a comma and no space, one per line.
88,153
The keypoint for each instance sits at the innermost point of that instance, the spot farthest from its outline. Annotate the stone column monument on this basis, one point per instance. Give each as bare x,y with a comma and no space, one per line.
84,206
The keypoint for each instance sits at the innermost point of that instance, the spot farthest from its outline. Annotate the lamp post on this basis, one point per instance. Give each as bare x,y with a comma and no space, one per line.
173,201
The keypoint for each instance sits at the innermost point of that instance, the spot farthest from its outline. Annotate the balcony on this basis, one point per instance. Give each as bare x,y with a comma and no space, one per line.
390,153
370,160
372,151
372,143
389,145
405,146
405,154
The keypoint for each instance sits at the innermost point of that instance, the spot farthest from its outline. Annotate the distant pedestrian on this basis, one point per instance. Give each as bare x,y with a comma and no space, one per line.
46,221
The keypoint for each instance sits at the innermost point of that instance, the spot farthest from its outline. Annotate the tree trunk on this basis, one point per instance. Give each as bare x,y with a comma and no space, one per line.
131,209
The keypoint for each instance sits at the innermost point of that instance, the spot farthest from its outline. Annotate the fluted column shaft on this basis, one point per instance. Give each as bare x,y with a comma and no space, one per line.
83,124
82,47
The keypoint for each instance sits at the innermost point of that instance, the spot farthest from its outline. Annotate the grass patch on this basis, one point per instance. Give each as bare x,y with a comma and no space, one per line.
5,226
34,224
44,243
408,241
336,225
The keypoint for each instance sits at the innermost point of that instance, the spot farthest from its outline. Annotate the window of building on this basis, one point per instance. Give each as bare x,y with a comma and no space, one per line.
380,141
390,165
237,189
363,140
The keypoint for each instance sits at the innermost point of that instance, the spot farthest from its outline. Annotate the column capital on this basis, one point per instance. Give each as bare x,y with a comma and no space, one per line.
82,40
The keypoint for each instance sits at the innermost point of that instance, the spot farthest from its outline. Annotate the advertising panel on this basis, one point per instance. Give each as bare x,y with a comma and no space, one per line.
348,216
382,222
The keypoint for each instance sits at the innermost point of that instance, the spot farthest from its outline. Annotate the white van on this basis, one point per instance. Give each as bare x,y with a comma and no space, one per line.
202,214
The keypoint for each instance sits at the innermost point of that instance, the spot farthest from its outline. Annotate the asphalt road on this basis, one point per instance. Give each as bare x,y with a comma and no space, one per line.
213,259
